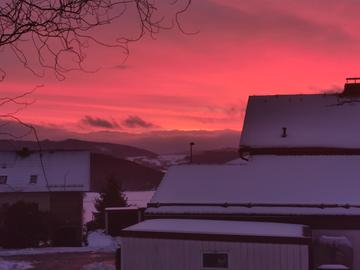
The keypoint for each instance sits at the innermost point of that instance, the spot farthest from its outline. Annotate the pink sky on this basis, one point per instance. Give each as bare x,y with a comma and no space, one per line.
201,81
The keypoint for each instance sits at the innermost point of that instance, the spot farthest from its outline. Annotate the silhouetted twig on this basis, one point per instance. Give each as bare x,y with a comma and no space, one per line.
60,29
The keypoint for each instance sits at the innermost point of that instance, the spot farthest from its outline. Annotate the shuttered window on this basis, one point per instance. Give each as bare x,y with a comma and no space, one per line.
33,179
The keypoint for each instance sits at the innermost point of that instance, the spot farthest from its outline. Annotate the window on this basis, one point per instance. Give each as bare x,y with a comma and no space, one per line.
3,179
215,260
33,179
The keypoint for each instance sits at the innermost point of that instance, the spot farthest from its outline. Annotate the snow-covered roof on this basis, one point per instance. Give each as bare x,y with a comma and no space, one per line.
218,227
127,208
269,184
321,120
64,170
332,267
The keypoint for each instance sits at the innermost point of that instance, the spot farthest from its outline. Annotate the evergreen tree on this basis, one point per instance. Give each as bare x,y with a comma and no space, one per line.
112,196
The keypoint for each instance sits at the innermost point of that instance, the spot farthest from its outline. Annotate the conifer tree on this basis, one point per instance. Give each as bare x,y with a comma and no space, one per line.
112,196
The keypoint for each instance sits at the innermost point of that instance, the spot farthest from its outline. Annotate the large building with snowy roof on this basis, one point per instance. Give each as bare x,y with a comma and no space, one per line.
299,164
56,182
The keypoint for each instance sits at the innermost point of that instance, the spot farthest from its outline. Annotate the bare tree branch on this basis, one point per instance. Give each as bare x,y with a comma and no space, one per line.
10,117
59,29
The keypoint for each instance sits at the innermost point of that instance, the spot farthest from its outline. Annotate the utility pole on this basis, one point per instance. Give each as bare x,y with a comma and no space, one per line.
191,152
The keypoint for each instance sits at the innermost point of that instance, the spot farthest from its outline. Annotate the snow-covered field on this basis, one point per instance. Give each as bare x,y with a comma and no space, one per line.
161,162
134,198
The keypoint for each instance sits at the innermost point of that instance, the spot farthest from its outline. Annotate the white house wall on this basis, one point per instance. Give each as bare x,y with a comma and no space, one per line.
64,170
165,254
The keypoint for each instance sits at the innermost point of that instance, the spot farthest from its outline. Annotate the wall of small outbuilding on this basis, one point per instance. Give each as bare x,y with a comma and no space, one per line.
180,254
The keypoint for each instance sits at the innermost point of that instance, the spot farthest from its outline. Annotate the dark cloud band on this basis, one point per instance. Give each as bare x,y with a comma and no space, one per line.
99,122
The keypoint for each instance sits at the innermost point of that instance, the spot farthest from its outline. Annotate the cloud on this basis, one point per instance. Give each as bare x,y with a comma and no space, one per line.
99,122
134,121
258,24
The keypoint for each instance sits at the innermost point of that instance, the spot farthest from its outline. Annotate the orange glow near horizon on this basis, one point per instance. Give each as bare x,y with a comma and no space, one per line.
202,81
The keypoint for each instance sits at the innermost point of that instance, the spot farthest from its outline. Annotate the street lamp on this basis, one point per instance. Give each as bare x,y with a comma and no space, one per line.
191,152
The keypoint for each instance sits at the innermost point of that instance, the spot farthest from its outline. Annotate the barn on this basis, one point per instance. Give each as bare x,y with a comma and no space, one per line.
299,164
55,181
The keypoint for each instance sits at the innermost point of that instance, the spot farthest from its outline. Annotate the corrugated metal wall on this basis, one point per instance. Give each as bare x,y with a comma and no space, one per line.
166,254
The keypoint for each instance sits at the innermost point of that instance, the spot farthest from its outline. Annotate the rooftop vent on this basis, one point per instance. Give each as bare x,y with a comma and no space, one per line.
352,87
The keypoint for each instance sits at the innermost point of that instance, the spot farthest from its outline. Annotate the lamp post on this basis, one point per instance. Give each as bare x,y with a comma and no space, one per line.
191,152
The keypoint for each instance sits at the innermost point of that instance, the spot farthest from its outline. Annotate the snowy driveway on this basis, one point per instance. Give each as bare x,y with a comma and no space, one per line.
68,261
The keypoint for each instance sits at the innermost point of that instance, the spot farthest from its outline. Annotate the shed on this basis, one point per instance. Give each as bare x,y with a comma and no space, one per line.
118,218
191,244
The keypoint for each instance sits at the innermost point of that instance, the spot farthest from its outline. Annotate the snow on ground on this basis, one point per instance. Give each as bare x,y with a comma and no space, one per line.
15,265
99,240
135,198
45,250
98,266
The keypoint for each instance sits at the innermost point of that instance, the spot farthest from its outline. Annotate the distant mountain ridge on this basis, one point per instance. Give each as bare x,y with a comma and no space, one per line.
163,162
217,156
158,141
173,141
131,176
112,149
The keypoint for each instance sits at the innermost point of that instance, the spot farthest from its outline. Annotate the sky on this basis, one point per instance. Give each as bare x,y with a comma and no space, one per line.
197,81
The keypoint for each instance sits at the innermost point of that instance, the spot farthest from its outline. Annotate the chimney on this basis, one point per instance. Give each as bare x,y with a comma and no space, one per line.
352,87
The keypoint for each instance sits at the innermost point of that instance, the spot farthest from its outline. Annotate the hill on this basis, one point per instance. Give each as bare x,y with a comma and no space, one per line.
112,149
163,162
130,176
219,156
